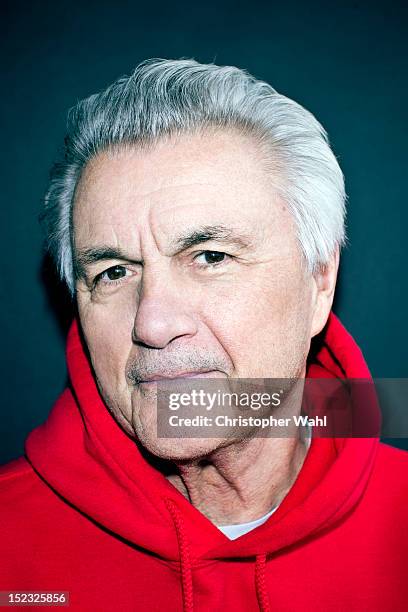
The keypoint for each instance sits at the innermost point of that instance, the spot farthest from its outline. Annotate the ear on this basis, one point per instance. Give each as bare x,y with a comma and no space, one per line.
324,286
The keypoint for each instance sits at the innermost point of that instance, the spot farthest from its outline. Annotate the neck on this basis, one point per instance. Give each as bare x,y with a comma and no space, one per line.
243,481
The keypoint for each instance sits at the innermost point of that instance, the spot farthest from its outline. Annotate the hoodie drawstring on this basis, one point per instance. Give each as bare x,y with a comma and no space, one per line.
185,562
185,565
260,583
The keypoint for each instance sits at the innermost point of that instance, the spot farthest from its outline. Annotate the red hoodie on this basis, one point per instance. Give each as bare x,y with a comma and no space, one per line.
83,512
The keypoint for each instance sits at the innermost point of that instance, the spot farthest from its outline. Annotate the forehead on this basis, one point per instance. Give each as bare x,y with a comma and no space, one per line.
193,179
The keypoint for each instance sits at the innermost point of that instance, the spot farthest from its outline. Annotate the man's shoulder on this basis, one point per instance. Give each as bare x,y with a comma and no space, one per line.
14,475
391,468
392,455
18,484
30,510
23,493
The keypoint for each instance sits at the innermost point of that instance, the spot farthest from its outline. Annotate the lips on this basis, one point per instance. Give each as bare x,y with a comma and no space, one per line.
181,375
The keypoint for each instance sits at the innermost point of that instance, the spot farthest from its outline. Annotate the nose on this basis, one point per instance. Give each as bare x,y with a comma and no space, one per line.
162,314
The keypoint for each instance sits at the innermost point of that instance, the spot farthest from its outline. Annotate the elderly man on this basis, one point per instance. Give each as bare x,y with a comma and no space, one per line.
197,218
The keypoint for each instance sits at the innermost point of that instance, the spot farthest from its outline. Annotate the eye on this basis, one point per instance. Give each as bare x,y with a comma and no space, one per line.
210,258
112,275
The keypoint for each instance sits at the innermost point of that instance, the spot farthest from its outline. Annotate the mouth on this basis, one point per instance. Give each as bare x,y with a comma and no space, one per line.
181,375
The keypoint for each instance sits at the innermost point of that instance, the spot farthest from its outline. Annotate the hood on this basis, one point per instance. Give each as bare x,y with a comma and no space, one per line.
85,456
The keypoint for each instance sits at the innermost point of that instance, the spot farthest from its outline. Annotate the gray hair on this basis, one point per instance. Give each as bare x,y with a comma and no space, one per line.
165,97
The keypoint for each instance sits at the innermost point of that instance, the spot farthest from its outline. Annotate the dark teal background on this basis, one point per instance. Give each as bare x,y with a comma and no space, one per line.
344,61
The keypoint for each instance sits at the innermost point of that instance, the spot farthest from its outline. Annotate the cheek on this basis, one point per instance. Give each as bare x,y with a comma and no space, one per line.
107,329
265,320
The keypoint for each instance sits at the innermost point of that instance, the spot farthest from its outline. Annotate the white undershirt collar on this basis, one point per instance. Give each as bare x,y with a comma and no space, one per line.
236,531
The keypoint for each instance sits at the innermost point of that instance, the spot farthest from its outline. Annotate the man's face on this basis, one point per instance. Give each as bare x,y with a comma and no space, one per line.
189,264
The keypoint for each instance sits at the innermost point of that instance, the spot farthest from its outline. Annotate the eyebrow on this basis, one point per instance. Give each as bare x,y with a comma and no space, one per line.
221,233
86,257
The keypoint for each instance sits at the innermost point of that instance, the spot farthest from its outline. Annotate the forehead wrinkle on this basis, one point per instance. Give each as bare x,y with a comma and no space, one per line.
174,184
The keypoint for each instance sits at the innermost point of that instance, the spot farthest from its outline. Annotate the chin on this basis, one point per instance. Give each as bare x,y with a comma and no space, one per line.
178,449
